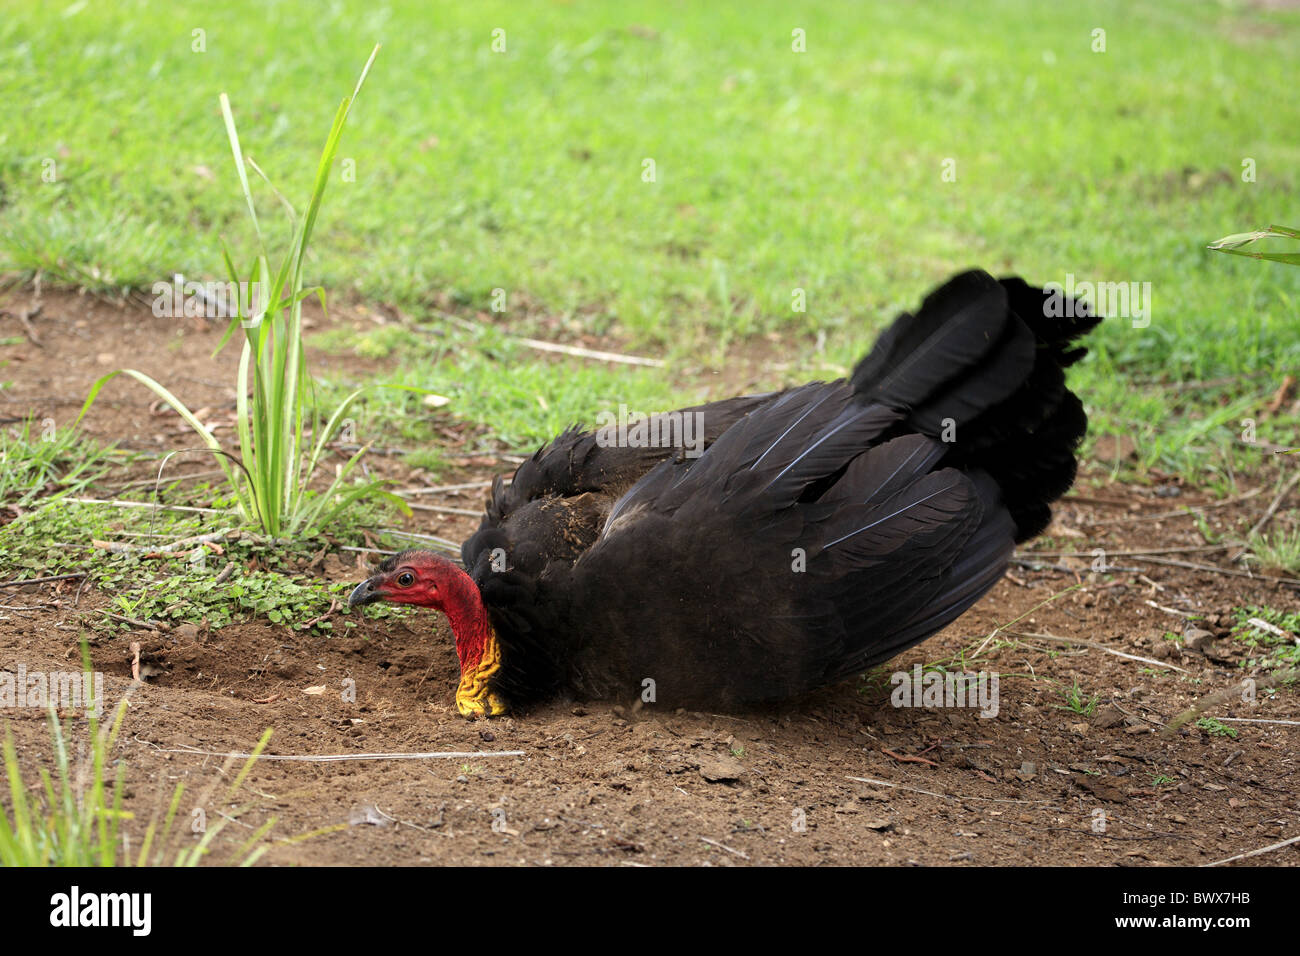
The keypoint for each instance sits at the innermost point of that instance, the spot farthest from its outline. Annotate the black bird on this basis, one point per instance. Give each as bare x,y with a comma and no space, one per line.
823,529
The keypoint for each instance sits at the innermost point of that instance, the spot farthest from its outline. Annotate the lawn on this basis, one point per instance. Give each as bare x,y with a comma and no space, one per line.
901,144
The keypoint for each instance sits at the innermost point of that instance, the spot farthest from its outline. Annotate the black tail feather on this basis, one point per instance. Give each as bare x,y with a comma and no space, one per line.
986,374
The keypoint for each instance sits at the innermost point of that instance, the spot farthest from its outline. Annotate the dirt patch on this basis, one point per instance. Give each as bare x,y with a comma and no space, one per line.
839,777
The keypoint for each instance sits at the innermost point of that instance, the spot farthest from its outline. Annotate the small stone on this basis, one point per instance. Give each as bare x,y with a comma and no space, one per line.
720,768
1107,717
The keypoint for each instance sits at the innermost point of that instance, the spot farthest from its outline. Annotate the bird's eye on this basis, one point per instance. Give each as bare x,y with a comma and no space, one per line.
405,579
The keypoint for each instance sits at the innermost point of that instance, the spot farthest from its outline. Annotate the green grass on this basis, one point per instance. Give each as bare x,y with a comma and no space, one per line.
1277,549
489,378
39,461
1078,702
76,818
1216,728
281,420
267,582
1271,651
1243,244
776,171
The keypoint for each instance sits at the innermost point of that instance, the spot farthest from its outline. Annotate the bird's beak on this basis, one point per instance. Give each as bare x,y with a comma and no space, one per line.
365,593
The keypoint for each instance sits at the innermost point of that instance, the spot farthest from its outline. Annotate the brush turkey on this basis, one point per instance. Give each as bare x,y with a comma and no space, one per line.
823,530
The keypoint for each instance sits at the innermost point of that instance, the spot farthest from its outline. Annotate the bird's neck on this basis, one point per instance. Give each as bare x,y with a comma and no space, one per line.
477,648
470,622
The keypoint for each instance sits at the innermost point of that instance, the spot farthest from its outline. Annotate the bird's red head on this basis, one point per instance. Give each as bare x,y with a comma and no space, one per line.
428,580
412,577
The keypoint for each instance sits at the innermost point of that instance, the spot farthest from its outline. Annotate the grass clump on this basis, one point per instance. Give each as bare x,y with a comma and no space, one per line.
282,434
41,461
75,817
74,821
1077,702
1278,550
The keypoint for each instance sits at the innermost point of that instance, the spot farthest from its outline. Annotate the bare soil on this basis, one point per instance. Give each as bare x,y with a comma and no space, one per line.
601,783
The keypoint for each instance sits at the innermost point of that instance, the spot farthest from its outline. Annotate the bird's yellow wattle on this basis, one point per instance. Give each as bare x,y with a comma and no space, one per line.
473,696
